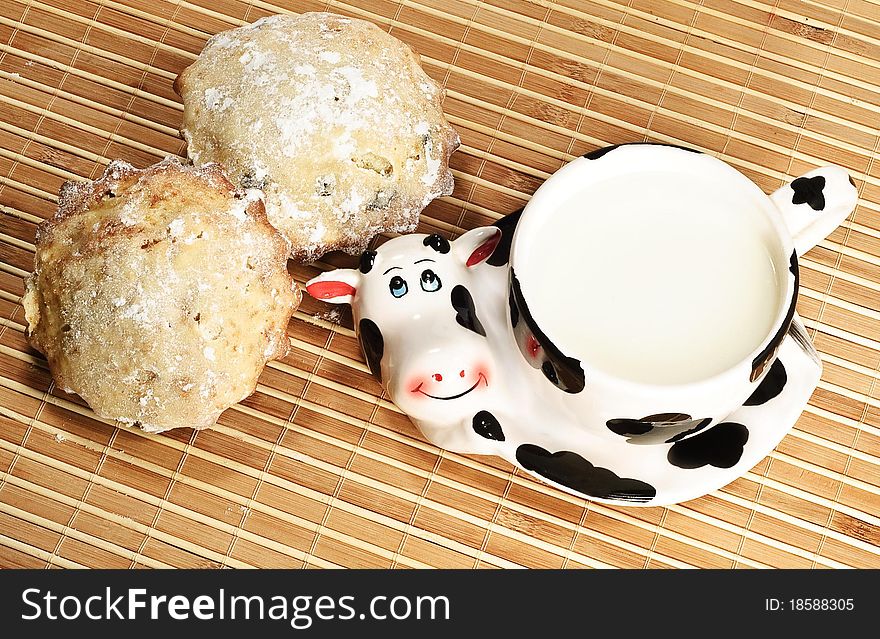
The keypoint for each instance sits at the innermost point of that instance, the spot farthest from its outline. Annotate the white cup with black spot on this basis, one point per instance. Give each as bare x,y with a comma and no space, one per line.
652,285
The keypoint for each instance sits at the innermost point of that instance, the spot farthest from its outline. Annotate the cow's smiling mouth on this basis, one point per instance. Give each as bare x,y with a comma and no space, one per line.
480,378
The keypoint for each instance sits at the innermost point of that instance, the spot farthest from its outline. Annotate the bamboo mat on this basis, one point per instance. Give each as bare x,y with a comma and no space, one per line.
317,468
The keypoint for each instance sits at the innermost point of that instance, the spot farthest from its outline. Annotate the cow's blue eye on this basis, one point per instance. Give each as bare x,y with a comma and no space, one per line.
429,281
398,286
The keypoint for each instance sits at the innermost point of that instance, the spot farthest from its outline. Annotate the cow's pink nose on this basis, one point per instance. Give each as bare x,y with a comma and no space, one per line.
437,377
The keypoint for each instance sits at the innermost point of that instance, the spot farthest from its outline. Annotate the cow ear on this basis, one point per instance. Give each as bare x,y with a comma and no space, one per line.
336,287
477,245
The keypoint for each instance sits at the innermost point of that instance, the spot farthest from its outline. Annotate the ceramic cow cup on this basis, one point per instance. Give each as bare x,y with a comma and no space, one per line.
460,336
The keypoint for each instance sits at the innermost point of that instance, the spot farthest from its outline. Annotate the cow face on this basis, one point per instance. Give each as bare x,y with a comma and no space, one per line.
416,309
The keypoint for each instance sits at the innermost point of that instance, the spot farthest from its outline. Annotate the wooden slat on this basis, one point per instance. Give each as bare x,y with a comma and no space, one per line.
320,469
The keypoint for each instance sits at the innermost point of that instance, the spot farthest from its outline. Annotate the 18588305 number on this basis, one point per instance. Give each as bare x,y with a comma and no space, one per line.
816,604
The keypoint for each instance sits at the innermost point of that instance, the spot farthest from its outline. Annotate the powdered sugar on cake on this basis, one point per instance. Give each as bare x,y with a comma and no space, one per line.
331,117
152,287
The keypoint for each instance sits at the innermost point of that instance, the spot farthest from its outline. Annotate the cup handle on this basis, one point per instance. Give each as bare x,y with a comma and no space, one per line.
798,333
814,204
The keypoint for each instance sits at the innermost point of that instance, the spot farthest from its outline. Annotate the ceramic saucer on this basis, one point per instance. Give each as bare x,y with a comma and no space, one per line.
605,469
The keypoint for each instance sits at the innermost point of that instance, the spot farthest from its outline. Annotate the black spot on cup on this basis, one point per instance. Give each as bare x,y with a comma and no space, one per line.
373,345
465,311
550,372
367,260
501,255
514,311
770,386
721,446
598,153
769,352
485,425
437,242
566,373
573,471
809,191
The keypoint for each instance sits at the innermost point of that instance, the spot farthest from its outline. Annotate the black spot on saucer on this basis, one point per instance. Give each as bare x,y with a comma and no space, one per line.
501,255
721,446
573,471
368,258
809,191
628,426
662,428
373,346
437,242
485,425
465,311
700,425
770,386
